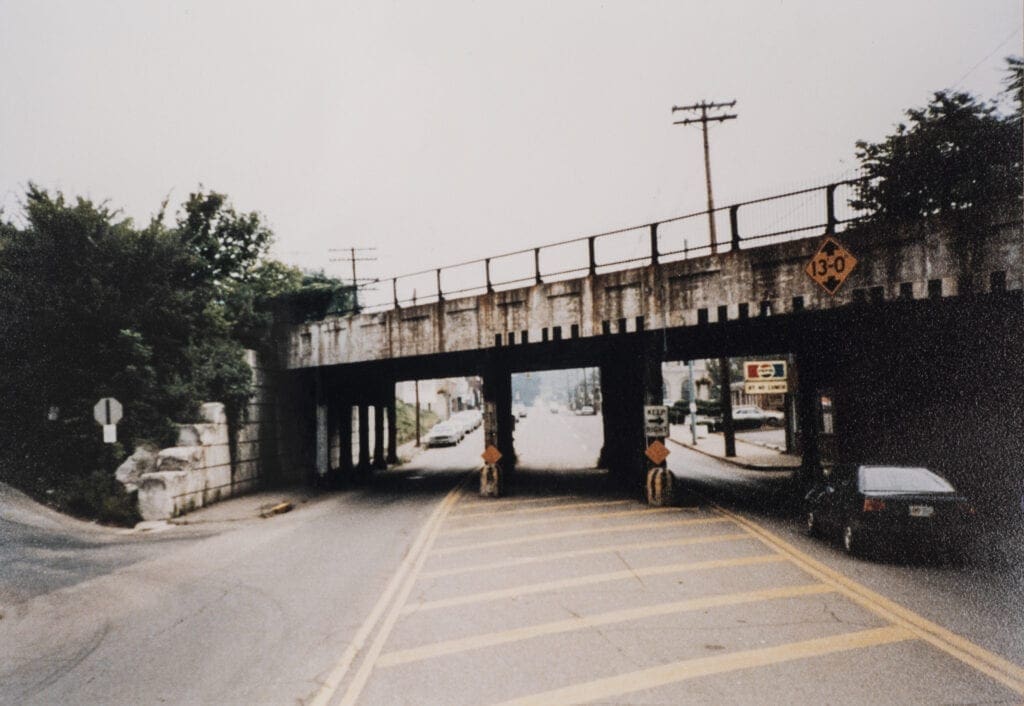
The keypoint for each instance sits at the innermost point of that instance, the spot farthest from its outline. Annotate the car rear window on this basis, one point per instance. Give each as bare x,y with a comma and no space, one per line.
886,479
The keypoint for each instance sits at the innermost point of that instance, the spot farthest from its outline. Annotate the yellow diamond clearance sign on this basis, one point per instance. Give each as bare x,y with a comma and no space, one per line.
657,452
491,455
831,265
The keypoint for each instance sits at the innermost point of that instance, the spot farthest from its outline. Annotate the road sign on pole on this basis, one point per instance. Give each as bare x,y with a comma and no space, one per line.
107,411
656,420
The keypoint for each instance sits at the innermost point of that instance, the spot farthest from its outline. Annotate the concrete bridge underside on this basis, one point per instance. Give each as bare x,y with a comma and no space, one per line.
918,353
934,382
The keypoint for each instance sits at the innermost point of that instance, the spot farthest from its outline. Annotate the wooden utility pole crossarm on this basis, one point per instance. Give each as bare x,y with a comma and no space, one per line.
704,119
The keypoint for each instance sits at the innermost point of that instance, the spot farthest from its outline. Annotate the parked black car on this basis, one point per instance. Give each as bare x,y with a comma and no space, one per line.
870,506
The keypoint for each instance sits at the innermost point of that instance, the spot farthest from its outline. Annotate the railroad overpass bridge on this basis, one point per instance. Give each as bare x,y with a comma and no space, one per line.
917,354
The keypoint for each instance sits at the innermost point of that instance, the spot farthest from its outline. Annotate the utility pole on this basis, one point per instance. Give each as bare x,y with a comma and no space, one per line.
355,255
704,119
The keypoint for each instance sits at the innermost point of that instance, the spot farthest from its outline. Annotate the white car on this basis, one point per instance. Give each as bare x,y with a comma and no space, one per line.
444,434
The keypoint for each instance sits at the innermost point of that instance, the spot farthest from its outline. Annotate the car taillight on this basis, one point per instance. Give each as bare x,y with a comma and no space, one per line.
873,504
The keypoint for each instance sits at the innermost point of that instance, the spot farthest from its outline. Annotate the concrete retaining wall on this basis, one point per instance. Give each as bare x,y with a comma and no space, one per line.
203,468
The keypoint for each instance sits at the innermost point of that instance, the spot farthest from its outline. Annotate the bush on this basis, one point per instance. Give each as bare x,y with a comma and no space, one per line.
98,496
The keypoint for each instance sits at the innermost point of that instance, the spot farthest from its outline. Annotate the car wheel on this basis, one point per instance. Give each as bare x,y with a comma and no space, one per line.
811,524
851,543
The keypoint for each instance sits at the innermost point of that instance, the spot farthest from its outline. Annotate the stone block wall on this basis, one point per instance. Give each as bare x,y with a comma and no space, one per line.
207,464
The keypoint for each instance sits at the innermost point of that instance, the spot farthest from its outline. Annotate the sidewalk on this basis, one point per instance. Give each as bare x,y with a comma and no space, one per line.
250,506
754,457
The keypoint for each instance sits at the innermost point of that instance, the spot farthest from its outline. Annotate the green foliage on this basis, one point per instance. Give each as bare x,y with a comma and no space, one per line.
405,421
91,306
99,496
316,296
955,154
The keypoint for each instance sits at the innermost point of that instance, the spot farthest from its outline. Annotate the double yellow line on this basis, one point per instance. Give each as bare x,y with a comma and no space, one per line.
394,596
1002,670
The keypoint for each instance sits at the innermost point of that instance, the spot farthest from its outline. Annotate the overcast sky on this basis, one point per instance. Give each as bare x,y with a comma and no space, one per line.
441,131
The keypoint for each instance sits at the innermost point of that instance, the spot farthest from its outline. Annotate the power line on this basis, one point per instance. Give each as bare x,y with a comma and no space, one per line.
704,119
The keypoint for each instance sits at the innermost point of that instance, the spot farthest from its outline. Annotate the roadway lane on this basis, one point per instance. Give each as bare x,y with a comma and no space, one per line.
977,595
255,611
575,595
414,591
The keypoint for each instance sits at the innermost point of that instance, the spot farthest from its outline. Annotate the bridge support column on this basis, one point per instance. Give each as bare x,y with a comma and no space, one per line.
364,440
345,438
323,439
630,379
392,426
659,484
498,424
379,462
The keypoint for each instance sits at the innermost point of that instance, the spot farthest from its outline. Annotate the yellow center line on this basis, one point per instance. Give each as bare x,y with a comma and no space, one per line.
458,548
570,518
606,549
975,656
358,683
476,642
630,682
417,554
591,579
498,504
553,508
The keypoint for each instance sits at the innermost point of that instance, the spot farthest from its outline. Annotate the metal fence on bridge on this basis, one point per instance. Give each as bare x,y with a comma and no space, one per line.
766,221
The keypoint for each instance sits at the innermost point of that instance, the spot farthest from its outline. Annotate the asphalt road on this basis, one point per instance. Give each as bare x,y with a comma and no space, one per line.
415,591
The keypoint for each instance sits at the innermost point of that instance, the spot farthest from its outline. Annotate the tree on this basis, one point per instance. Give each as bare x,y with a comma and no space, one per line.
955,154
1014,81
91,306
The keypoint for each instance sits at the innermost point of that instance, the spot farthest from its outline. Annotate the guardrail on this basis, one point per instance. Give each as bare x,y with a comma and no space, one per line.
783,217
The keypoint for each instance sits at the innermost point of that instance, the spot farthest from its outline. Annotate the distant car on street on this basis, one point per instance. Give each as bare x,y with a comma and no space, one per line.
586,409
749,417
468,419
870,507
444,434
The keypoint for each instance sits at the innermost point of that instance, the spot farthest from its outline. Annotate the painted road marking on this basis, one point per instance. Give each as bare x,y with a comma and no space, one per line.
591,579
570,518
553,508
458,548
476,642
406,570
612,687
1002,670
607,549
499,503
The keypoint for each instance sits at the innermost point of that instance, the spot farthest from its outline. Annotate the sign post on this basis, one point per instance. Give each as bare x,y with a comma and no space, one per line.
108,412
656,430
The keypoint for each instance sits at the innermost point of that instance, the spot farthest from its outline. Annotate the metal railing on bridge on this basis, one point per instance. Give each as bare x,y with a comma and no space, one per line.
756,223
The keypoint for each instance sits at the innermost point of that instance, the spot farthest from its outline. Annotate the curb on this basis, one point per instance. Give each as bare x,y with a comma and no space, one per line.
738,464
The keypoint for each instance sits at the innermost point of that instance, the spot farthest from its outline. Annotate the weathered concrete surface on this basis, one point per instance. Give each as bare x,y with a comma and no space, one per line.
926,261
142,460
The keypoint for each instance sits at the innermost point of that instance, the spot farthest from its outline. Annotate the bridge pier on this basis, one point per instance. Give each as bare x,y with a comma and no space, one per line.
630,379
498,430
322,456
392,457
379,460
363,469
659,481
